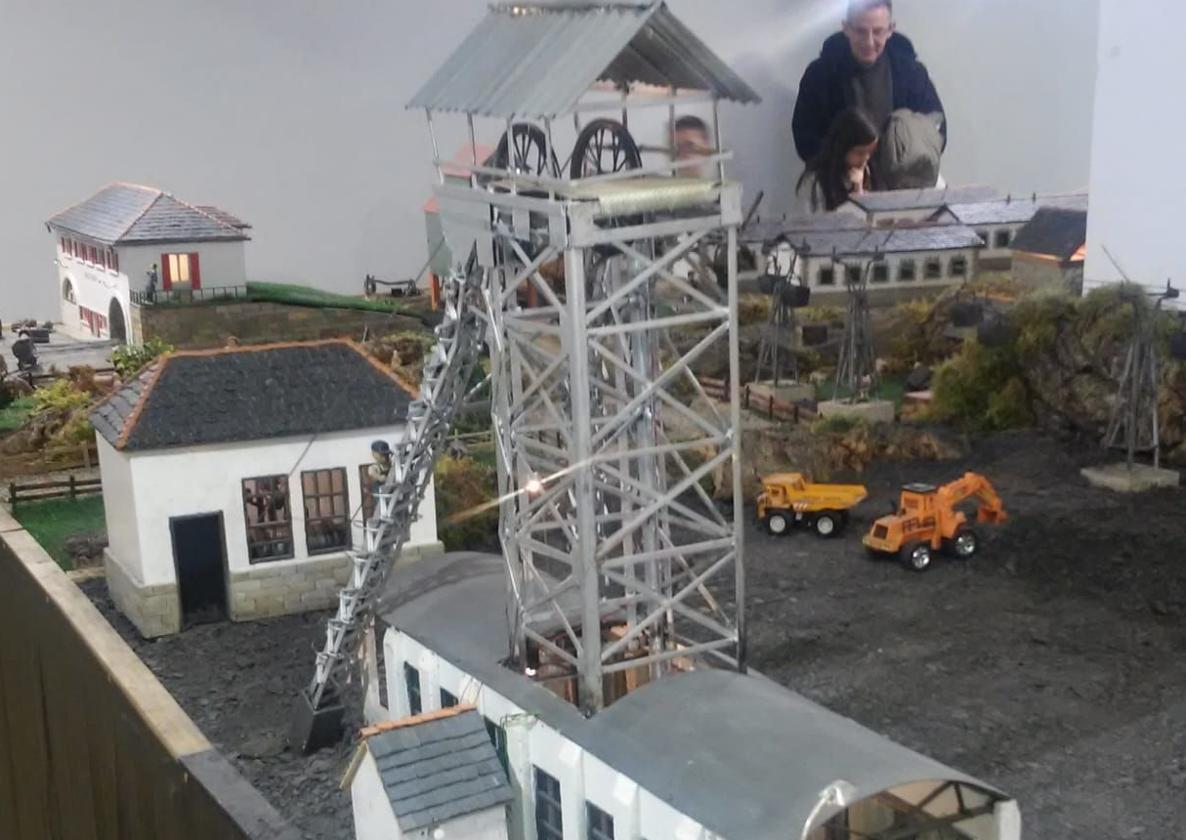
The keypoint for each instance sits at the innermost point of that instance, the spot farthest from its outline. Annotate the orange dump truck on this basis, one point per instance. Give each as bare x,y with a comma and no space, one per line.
789,499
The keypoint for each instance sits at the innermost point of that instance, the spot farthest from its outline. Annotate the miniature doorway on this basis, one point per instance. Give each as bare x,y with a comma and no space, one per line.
201,571
116,326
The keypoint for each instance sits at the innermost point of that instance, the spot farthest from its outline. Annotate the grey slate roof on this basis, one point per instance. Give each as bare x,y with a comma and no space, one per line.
771,230
251,393
538,59
1054,232
131,214
1008,210
439,769
891,200
741,755
869,241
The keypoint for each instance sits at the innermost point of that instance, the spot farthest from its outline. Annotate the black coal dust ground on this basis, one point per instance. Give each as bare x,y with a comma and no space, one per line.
1052,666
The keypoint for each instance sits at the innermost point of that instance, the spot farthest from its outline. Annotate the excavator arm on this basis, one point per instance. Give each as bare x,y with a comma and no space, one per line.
973,485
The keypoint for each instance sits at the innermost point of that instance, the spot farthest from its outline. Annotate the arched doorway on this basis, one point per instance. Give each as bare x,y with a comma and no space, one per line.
67,291
115,322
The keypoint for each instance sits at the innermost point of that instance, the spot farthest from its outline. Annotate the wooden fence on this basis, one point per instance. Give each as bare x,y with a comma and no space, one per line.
70,488
768,406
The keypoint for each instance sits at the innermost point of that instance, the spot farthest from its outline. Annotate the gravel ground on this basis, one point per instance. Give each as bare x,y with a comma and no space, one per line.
1051,665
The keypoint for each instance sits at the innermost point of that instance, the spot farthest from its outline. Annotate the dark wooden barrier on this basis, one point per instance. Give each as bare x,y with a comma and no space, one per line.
92,746
69,488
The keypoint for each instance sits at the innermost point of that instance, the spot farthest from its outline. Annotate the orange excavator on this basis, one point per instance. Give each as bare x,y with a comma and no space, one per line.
928,519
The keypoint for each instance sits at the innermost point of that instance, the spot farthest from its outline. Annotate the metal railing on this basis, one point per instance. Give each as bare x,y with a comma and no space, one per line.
182,297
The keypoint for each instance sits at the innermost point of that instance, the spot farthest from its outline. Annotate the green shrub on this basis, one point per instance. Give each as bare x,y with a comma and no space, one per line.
982,389
466,492
59,397
129,360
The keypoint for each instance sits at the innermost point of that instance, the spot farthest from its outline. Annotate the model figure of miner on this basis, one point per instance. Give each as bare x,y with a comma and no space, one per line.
379,470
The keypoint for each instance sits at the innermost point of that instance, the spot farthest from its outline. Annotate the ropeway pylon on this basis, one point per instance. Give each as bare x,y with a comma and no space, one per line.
443,390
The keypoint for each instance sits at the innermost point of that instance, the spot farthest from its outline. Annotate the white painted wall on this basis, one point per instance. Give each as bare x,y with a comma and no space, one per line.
207,479
373,817
119,506
94,286
1134,209
292,114
220,263
808,270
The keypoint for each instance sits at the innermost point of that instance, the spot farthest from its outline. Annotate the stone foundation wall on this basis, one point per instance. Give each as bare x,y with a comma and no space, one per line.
155,610
267,590
206,325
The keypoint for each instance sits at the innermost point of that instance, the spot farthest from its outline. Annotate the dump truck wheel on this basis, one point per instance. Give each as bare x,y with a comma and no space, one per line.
917,557
778,524
826,524
965,544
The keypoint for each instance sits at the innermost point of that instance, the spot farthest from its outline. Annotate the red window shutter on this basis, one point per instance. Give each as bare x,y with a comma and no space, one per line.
166,277
63,244
94,252
195,274
114,260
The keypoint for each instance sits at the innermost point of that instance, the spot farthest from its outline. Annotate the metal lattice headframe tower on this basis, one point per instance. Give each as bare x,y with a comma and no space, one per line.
613,546
856,372
1134,424
605,522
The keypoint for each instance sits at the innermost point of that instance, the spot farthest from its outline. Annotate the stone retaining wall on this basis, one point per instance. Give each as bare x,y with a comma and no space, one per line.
269,590
155,609
206,325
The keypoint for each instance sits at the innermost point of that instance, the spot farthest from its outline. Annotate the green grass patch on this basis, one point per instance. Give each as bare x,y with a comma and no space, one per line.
14,415
295,295
53,521
892,388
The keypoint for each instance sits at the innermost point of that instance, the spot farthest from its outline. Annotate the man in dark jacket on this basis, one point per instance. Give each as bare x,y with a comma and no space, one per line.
867,65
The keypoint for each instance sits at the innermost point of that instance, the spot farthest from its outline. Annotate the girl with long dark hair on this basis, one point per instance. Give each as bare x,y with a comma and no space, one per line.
841,168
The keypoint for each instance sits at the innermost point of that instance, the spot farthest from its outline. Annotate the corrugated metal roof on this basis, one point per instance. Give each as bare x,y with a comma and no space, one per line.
439,769
134,214
537,60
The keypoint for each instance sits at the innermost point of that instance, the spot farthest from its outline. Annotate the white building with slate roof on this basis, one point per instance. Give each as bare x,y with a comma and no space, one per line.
706,754
998,220
435,775
236,480
106,246
901,262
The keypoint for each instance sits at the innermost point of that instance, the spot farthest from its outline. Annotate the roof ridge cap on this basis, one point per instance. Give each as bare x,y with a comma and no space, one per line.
202,212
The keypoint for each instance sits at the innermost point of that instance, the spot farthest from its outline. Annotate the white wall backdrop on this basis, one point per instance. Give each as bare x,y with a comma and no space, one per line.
289,113
1134,188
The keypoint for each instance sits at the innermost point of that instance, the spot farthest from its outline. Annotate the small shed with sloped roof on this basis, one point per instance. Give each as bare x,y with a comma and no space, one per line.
1049,251
236,480
435,774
